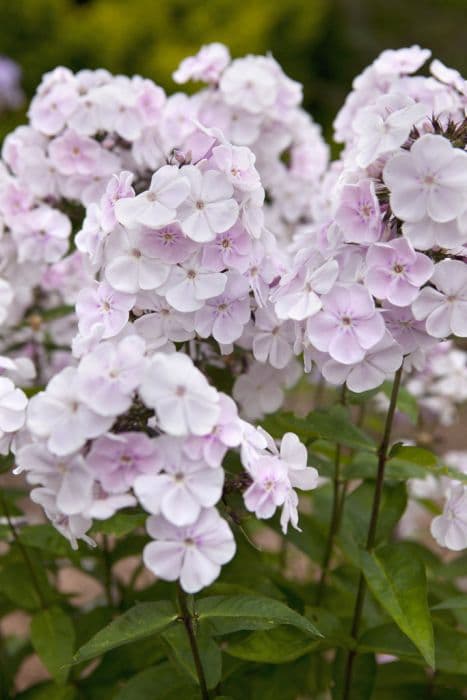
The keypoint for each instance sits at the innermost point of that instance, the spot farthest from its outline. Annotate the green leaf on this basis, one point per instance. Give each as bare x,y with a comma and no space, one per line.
405,462
126,661
53,638
49,691
450,645
353,533
10,507
46,538
333,424
312,537
285,421
6,462
404,681
331,627
277,646
364,465
155,683
120,524
406,402
393,674
451,649
362,397
397,579
16,584
138,622
227,614
189,693
278,682
417,455
388,639
182,656
88,623
456,603
363,676
451,472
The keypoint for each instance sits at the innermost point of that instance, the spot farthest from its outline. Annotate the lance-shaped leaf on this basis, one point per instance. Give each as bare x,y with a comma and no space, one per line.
161,677
182,656
333,424
227,614
140,621
397,579
53,638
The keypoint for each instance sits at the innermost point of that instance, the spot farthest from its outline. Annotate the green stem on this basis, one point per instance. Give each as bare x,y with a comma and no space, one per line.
319,393
24,551
333,527
335,514
345,485
371,536
107,562
187,619
134,576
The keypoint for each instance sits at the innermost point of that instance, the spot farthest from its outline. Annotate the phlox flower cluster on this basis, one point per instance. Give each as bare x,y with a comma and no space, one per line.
94,138
129,427
152,243
380,274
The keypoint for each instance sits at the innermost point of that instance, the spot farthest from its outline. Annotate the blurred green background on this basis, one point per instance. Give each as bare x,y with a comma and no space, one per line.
322,43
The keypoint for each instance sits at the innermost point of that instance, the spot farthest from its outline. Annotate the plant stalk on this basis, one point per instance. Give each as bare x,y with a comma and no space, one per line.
371,536
337,497
333,527
107,566
187,619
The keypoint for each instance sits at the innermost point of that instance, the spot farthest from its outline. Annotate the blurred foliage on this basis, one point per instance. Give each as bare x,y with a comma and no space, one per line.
322,43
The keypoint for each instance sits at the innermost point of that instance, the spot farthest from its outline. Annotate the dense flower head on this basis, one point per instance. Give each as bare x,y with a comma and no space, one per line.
156,249
156,436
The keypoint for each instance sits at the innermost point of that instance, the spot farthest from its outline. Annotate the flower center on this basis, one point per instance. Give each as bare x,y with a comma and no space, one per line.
398,268
199,204
365,211
429,180
180,390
